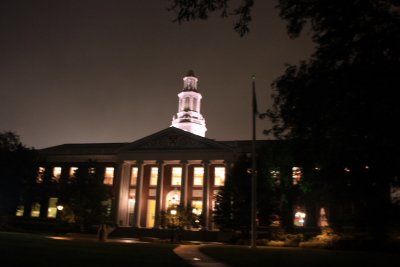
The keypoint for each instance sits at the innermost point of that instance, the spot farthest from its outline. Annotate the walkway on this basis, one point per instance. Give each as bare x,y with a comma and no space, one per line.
192,255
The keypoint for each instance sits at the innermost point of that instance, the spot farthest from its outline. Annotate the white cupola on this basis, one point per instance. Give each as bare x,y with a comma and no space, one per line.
189,117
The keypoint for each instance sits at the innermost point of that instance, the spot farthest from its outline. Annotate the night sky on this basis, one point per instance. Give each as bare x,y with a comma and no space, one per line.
87,71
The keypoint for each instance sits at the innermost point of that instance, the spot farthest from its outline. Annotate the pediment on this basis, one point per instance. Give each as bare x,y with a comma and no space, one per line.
174,139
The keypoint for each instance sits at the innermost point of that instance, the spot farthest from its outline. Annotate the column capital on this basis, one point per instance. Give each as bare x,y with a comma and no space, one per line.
160,162
184,161
206,162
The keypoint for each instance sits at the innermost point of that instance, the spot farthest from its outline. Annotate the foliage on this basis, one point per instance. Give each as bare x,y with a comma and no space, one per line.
16,169
187,10
232,211
275,190
85,197
339,107
178,217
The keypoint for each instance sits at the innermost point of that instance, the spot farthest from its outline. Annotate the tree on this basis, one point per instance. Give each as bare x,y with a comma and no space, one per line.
338,107
16,169
187,10
233,202
85,197
329,103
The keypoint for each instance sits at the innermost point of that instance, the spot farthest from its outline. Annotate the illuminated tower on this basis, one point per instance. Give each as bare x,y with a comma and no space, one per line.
188,117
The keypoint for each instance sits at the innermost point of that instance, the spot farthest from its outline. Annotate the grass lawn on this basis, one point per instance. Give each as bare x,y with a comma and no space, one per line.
238,256
18,249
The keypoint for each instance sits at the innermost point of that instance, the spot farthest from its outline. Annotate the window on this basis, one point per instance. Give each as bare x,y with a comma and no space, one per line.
72,172
275,175
92,170
198,175
323,219
176,176
152,192
197,206
299,218
134,174
187,104
109,176
131,210
132,193
56,174
173,198
20,211
219,176
153,176
40,175
197,193
107,204
35,210
296,175
52,209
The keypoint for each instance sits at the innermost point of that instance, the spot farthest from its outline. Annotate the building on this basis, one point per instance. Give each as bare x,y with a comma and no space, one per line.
177,165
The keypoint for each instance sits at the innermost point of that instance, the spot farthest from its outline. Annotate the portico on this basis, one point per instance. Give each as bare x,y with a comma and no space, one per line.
151,180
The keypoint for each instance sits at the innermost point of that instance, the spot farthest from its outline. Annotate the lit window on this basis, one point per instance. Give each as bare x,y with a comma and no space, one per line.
153,176
323,219
35,210
198,176
132,193
109,176
56,174
152,192
134,175
173,198
197,193
275,175
20,211
107,204
197,206
40,175
52,209
131,209
214,202
296,175
72,172
176,176
299,218
219,176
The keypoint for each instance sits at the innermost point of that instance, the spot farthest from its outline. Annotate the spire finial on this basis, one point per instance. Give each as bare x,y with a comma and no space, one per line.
190,73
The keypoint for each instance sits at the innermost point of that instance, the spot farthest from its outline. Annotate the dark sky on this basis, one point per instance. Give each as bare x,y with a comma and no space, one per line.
74,71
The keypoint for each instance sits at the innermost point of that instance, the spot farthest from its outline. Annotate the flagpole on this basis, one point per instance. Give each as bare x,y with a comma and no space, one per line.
253,170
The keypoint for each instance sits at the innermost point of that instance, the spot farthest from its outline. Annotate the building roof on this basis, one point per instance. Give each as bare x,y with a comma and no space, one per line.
84,149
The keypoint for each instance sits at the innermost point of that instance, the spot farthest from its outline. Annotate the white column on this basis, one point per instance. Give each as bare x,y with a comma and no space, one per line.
159,193
184,183
138,195
206,194
123,194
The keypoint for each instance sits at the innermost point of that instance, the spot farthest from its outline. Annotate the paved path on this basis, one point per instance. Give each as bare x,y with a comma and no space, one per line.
192,255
